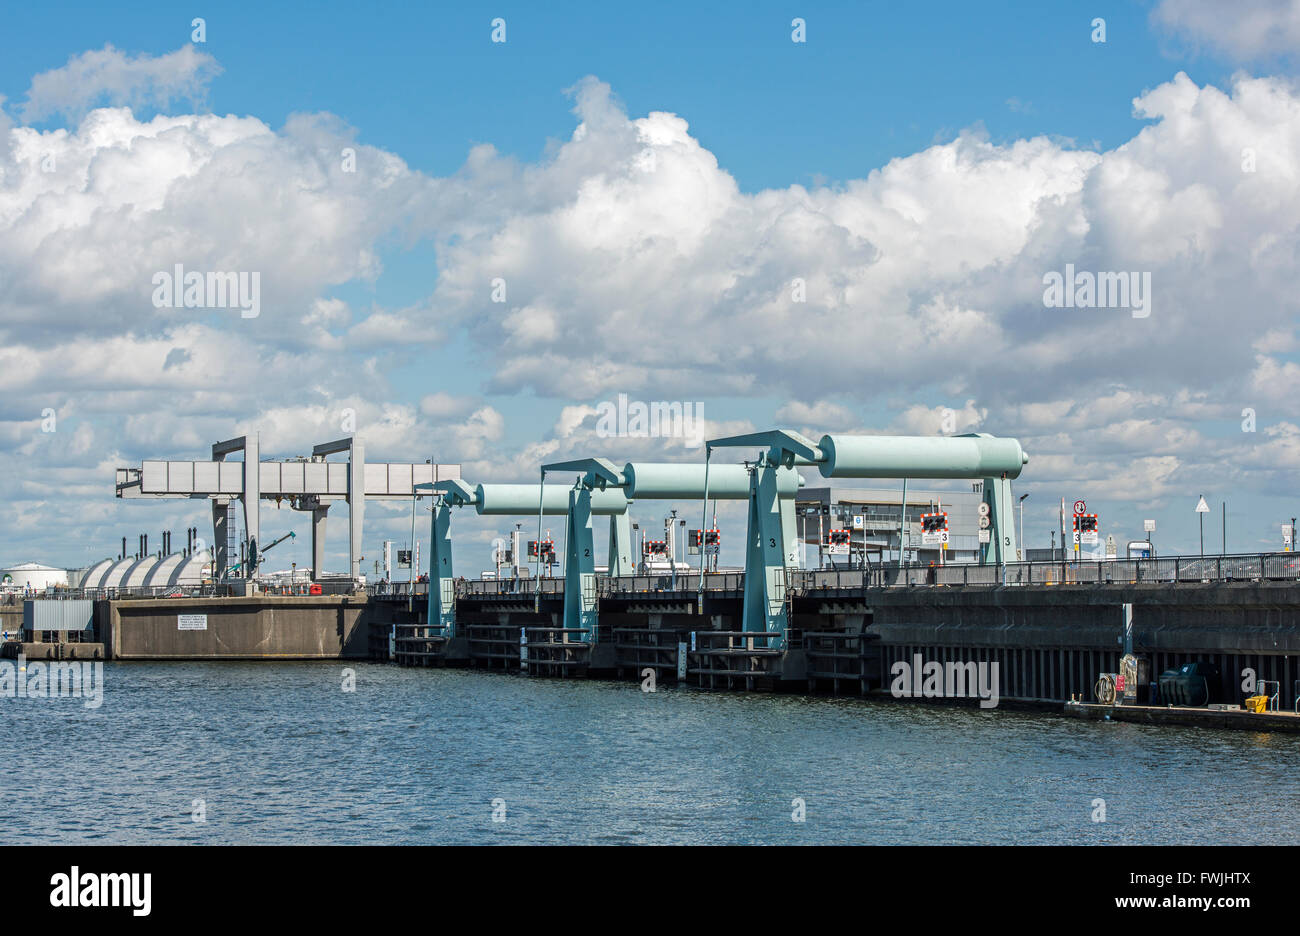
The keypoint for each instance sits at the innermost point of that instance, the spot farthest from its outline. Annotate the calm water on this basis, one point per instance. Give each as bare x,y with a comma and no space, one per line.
279,753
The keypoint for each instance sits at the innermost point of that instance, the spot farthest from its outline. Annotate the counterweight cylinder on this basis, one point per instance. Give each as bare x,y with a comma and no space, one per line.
659,481
512,500
970,456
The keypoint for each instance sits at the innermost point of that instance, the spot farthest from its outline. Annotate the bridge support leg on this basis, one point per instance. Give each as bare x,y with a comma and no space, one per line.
580,566
789,527
220,539
252,499
765,559
620,545
356,506
1001,546
318,515
442,587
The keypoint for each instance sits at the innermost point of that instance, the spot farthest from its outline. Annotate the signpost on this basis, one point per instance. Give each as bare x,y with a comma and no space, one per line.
1085,529
934,529
837,543
1202,508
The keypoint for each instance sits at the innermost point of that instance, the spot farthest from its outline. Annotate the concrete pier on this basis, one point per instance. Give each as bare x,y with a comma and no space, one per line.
253,628
1187,717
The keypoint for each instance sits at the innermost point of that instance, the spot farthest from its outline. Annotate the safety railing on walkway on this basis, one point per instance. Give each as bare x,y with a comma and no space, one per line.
224,590
1254,567
1174,570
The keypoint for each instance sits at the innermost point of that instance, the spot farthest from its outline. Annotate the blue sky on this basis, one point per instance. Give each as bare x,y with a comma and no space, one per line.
875,81
876,85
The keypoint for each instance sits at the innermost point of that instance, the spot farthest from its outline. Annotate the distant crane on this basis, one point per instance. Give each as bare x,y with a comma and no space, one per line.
254,555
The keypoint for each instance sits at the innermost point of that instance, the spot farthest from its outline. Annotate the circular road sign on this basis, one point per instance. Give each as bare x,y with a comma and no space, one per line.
1080,507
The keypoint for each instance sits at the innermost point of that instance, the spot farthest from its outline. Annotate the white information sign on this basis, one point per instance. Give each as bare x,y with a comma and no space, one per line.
192,622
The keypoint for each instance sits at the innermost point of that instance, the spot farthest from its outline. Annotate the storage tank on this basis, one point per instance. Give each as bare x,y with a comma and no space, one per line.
32,575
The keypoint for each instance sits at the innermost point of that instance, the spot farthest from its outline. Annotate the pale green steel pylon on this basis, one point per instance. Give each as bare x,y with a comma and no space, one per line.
580,598
442,585
490,500
996,461
601,487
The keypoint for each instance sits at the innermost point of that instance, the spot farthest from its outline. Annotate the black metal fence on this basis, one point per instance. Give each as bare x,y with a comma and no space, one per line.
1174,570
1253,567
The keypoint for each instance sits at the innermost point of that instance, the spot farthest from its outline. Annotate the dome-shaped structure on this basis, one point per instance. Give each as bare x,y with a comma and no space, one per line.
149,572
136,575
178,569
114,574
95,573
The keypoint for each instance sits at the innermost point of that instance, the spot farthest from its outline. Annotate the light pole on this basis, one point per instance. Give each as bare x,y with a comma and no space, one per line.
1020,551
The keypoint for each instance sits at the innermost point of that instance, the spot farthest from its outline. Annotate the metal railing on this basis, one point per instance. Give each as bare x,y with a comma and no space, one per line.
1173,570
1253,567
223,590
644,584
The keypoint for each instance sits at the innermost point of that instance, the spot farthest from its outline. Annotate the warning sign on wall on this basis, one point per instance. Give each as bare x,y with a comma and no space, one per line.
191,622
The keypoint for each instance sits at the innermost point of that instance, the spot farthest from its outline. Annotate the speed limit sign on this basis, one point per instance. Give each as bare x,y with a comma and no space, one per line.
1080,507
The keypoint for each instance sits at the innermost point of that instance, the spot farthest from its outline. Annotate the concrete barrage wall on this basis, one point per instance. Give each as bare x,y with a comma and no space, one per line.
1214,618
254,628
